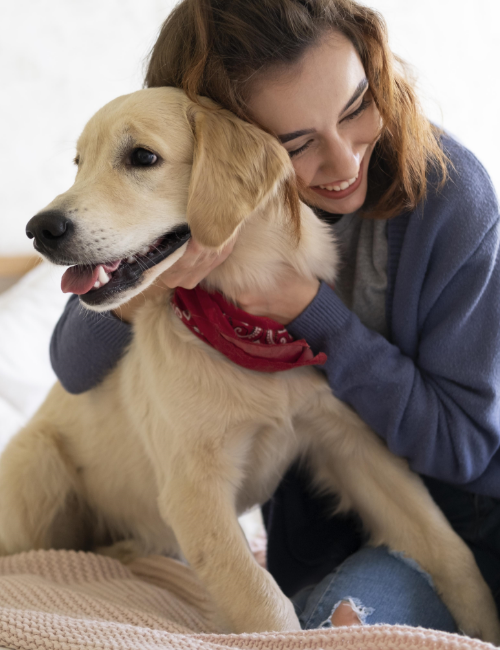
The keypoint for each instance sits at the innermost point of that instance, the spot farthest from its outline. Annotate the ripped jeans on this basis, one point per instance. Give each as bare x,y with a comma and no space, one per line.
305,545
403,593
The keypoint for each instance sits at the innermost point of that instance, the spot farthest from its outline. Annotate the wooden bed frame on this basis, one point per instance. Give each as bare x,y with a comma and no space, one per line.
16,266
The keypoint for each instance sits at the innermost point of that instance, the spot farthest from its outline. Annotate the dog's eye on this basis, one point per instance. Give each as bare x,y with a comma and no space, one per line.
142,158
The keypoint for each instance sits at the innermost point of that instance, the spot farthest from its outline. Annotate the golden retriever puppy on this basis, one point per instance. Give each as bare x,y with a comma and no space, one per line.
178,440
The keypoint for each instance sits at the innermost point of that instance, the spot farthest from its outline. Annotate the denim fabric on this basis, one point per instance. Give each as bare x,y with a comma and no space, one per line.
306,544
376,579
382,586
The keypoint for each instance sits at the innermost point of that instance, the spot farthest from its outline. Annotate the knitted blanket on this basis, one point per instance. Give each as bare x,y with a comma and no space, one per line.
64,600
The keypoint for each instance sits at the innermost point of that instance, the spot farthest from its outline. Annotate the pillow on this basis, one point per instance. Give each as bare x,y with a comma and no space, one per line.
29,312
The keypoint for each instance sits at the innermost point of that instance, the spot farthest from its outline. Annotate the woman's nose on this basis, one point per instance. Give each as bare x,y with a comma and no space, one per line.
340,160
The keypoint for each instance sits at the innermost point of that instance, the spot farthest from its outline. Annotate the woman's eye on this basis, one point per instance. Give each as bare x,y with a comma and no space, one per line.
142,158
297,151
362,107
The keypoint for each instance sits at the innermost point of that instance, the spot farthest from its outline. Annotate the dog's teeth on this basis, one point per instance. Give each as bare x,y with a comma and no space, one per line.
97,285
155,244
131,260
144,250
103,276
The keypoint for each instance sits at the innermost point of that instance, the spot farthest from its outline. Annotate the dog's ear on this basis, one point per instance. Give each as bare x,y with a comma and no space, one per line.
236,167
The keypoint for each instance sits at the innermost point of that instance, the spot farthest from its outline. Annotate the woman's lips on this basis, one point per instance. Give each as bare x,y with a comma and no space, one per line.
332,194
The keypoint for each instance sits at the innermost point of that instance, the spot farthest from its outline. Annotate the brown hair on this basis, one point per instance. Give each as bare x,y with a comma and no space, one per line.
215,48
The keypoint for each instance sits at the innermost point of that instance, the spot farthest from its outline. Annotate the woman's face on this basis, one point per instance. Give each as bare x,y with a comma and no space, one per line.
323,113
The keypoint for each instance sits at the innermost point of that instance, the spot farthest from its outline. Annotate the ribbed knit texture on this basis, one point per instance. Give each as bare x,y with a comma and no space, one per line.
327,306
64,600
83,358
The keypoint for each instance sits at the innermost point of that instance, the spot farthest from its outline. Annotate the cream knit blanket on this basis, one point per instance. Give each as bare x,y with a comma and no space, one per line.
64,600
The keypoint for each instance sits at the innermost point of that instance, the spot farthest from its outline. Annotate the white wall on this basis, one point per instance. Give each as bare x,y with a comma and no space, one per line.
454,46
60,60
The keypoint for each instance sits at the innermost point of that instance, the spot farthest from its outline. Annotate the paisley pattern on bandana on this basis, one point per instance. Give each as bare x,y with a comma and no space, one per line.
254,342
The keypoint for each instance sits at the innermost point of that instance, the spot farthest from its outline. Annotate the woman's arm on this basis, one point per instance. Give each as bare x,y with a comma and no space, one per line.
439,410
433,393
86,345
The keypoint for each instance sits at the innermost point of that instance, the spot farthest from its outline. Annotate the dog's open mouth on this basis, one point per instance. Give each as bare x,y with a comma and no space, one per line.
97,282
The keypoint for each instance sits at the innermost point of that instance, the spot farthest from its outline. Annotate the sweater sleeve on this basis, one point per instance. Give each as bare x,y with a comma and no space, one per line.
433,393
86,345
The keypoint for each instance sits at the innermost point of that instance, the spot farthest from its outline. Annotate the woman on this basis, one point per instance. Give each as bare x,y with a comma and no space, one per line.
410,329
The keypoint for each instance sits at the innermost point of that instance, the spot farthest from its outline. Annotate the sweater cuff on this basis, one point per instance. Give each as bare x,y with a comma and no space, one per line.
106,328
321,319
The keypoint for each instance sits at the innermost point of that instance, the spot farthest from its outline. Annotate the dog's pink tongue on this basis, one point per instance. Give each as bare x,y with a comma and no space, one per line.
80,279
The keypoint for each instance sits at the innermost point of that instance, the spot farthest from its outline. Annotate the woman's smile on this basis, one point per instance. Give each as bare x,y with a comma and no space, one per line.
340,189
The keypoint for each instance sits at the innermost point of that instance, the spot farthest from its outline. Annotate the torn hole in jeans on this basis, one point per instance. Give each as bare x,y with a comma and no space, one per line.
357,607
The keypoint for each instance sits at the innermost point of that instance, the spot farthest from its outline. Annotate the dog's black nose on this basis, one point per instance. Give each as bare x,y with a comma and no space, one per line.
49,230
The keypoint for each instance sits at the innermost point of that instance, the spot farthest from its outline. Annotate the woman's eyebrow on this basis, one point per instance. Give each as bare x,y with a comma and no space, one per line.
295,134
360,89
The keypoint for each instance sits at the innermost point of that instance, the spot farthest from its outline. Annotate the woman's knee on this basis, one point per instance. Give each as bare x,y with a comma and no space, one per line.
346,614
376,585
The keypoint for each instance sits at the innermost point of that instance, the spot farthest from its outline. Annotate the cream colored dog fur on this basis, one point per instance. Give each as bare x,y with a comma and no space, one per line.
177,441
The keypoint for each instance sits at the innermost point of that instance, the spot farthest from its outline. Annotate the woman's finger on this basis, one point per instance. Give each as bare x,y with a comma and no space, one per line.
194,265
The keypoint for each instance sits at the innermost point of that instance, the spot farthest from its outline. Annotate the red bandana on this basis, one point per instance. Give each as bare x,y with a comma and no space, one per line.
254,342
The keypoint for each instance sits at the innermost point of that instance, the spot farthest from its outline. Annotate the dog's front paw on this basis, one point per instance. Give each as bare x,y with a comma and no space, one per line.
278,616
472,606
480,624
485,630
125,551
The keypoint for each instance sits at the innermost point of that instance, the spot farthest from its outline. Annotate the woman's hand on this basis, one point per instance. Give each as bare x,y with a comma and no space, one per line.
194,265
187,272
285,301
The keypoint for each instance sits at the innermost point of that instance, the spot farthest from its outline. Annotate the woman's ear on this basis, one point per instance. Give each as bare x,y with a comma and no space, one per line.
236,168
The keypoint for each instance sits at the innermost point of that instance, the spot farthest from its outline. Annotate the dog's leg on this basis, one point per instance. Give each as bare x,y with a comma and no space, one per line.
200,507
398,511
37,493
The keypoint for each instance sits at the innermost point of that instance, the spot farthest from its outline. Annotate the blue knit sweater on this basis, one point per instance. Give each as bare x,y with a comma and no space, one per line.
432,391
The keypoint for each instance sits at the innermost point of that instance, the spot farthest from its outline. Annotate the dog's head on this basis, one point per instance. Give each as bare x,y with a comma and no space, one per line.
154,168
